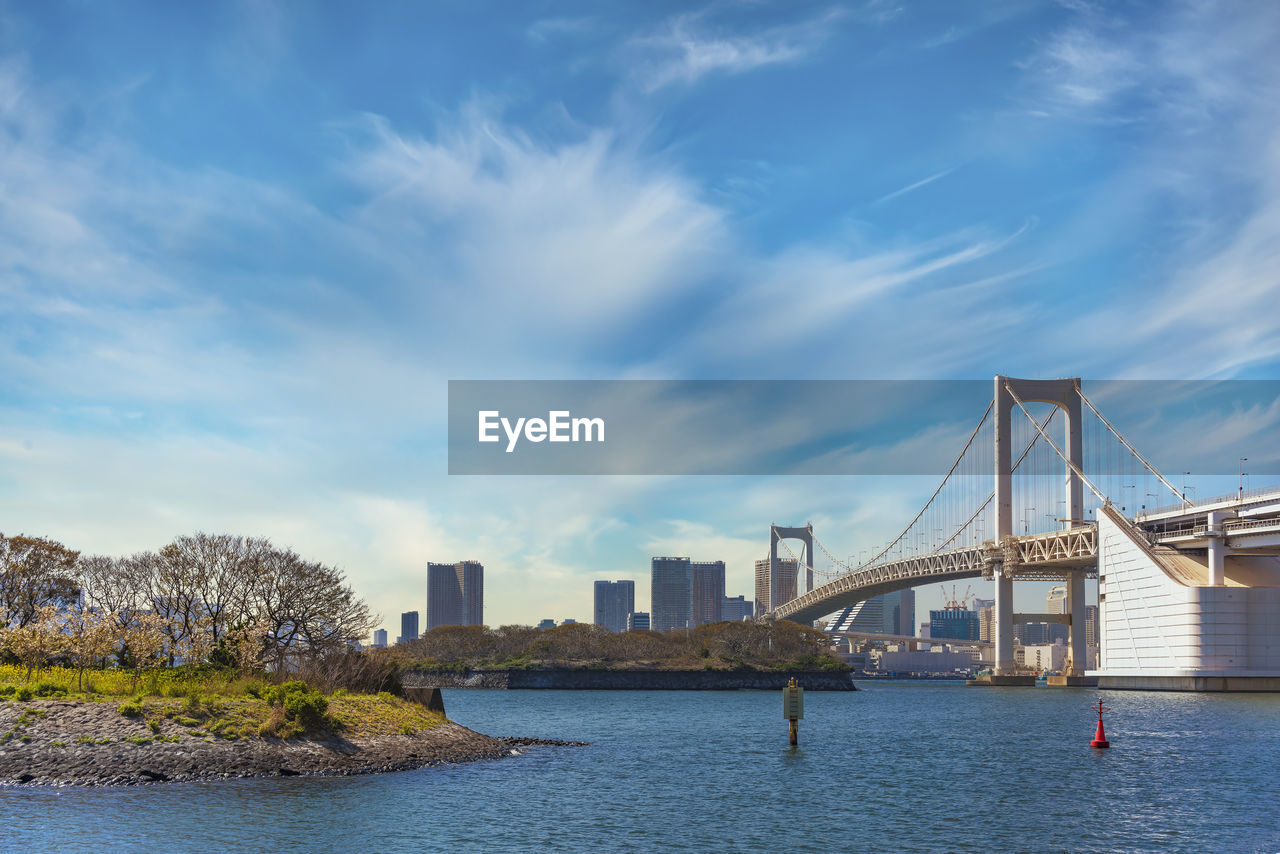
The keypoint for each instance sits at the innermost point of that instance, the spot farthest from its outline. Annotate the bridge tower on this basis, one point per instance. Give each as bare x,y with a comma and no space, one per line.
773,584
1065,394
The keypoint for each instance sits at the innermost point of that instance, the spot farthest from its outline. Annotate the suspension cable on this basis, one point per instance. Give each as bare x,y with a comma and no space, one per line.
1125,442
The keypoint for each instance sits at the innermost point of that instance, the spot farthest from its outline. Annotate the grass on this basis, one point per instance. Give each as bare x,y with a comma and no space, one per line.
214,705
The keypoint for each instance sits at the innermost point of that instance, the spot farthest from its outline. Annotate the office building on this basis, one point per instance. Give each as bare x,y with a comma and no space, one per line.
380,639
1091,625
736,608
455,594
638,620
706,584
547,624
1056,601
671,593
953,624
888,614
779,589
1043,634
613,601
408,626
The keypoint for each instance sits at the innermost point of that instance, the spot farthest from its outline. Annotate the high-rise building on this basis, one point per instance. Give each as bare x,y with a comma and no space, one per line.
1091,625
380,639
638,620
771,592
889,614
408,626
953,624
671,593
455,594
736,608
548,623
1056,601
614,600
706,583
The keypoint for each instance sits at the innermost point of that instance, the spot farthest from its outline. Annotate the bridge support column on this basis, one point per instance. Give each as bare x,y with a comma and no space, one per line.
1078,648
1217,546
1004,664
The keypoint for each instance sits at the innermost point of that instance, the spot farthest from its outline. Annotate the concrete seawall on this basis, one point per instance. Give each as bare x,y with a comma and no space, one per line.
631,680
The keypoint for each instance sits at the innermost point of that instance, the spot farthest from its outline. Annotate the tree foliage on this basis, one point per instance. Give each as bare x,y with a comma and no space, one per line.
718,645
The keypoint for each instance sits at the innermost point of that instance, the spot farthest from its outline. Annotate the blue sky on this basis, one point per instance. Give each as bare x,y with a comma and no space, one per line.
244,246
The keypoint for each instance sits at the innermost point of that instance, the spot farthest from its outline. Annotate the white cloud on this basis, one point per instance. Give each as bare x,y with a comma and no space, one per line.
684,49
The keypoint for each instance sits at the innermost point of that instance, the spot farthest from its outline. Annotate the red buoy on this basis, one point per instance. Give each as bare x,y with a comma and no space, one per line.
1100,737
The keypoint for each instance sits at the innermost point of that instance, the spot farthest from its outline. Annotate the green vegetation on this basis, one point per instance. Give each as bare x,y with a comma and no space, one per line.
778,645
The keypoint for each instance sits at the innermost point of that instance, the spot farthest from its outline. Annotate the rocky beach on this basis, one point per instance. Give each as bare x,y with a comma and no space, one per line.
75,743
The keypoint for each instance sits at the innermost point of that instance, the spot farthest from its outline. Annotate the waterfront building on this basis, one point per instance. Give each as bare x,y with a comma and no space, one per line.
638,620
953,624
380,639
408,626
455,594
671,592
1044,657
706,586
736,608
613,601
934,661
781,588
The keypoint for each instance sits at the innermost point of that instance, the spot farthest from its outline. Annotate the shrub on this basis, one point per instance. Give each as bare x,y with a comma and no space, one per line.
24,693
132,708
154,725
50,689
7,690
300,703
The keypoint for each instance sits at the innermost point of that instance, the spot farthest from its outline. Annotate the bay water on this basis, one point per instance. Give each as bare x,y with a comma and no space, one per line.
895,766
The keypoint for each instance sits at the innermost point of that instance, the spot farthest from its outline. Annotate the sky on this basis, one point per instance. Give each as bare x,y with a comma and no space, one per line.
245,246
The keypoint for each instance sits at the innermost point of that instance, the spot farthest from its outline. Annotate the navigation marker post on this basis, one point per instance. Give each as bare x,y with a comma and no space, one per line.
1100,737
793,709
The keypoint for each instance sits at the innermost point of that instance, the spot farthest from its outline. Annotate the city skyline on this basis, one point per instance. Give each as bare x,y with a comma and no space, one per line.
239,273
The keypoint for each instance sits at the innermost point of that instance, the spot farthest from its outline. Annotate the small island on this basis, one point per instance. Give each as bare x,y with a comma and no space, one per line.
742,655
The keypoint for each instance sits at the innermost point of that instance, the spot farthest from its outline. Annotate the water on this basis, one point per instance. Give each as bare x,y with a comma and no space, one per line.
899,766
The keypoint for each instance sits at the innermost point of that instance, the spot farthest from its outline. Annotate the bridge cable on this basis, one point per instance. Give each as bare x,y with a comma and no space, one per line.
1125,442
1074,468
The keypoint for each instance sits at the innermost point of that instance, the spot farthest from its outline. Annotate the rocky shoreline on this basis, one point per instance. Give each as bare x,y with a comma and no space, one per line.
70,743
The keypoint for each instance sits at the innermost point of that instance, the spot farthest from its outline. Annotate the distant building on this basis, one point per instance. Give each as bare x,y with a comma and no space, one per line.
953,624
771,592
706,588
638,620
736,608
568,621
408,626
613,601
1091,625
380,639
547,624
925,662
1038,634
1056,601
1044,656
455,594
671,592
888,614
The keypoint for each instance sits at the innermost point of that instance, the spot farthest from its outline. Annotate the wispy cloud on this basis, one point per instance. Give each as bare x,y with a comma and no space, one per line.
902,191
686,49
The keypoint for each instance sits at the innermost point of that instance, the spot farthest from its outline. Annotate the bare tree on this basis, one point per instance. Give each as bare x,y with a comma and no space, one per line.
34,572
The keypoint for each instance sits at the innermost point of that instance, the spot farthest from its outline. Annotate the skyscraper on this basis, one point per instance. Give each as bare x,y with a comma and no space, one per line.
408,626
614,601
671,593
779,589
736,608
707,591
380,639
455,594
1056,601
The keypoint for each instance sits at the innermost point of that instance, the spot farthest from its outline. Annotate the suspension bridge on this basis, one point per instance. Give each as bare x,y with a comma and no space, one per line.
1189,592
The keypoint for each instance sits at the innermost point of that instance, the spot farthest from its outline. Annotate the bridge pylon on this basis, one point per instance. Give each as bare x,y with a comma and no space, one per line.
1064,394
779,587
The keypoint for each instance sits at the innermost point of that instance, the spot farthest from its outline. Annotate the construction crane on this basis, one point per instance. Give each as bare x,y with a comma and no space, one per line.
954,604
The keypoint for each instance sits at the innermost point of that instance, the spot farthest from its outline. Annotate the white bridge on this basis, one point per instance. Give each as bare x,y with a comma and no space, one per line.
1189,593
